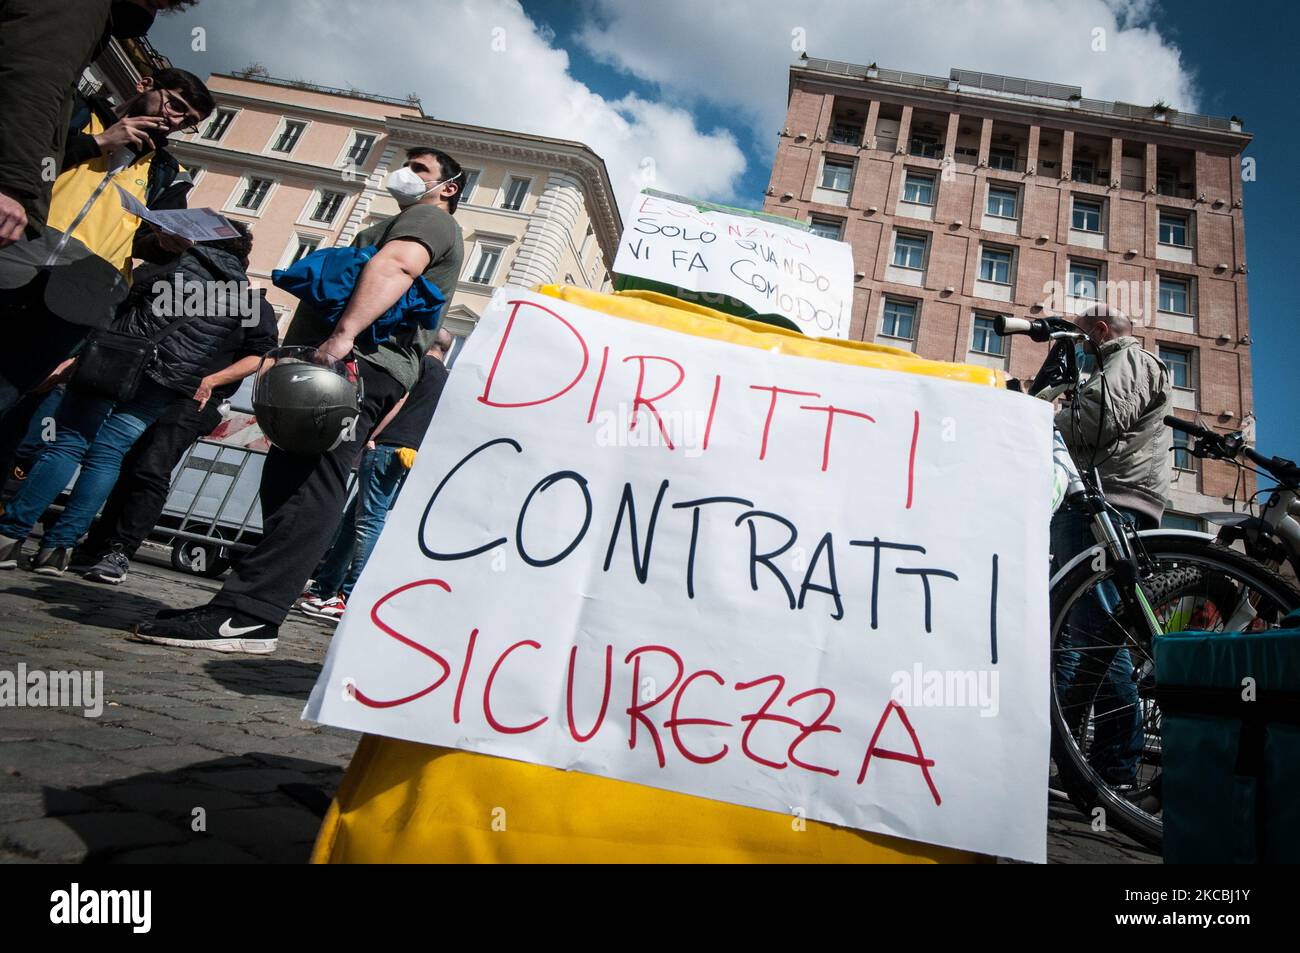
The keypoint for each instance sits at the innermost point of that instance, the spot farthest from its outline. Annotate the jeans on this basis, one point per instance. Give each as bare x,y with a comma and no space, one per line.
92,432
137,501
1105,667
24,431
379,480
302,507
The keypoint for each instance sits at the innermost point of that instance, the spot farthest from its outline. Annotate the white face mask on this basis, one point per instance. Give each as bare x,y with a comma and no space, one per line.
408,188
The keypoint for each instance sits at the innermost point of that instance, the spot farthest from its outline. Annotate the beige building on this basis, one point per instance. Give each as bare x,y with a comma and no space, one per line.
305,165
973,195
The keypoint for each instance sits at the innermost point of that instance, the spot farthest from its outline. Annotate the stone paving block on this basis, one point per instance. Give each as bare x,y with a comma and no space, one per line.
276,834
175,799
167,757
75,838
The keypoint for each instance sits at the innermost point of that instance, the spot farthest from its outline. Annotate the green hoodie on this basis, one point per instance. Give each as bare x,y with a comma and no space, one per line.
44,46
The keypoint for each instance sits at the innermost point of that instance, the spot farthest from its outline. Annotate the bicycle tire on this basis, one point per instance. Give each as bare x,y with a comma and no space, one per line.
1080,784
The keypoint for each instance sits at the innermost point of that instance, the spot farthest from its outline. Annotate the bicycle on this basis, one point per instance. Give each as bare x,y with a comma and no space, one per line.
1110,604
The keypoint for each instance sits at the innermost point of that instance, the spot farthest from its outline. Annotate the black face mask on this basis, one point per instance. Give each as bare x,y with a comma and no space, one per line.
126,20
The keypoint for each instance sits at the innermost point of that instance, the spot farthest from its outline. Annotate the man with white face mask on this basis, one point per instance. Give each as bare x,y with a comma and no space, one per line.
303,496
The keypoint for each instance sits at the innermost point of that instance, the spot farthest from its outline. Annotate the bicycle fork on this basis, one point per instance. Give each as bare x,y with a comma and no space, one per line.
1128,592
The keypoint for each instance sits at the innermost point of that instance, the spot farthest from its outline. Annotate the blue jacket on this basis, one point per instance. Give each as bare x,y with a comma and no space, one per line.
326,278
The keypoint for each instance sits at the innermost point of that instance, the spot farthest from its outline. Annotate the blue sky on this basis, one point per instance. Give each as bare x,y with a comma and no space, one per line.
696,91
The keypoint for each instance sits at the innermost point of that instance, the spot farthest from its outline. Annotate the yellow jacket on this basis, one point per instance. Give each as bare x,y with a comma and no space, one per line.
105,228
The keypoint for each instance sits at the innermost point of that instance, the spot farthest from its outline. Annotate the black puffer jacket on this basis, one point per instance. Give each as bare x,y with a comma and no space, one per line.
207,284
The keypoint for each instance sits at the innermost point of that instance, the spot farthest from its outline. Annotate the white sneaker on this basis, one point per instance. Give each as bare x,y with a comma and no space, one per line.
330,609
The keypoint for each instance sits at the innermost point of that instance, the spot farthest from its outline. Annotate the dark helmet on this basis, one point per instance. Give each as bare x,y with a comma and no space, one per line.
304,403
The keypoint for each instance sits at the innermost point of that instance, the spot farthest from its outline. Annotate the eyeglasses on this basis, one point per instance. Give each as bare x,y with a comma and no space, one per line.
175,105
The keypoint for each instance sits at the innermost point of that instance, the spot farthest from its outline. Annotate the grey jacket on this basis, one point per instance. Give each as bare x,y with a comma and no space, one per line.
1131,445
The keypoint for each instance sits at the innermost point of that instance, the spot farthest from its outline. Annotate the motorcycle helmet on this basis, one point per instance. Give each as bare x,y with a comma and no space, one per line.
304,402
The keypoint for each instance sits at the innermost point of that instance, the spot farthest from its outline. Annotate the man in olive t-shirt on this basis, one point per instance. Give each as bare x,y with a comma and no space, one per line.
303,496
440,235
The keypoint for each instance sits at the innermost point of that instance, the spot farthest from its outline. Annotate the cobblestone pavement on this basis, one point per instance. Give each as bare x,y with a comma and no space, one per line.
186,737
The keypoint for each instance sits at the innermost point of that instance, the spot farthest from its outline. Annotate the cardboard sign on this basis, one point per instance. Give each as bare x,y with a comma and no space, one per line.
704,254
787,583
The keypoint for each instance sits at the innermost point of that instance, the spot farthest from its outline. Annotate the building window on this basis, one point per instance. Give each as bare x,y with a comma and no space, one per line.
899,319
1002,158
1182,452
1175,296
846,133
218,125
826,227
515,193
837,176
918,188
1087,215
985,340
327,206
1081,170
306,245
289,136
489,256
470,180
1173,229
1179,363
909,251
254,194
1181,521
925,147
359,151
1002,203
1084,281
995,266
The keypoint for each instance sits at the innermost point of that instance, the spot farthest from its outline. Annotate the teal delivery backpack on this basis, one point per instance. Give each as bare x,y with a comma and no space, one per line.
1230,740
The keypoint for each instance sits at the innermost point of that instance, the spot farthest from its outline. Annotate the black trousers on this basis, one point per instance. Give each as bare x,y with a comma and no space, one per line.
302,506
137,501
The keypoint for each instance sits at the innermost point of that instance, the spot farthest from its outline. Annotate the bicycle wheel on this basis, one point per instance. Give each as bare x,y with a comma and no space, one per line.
1102,726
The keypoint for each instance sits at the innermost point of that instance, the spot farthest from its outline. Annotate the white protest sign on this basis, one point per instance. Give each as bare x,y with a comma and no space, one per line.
781,582
773,268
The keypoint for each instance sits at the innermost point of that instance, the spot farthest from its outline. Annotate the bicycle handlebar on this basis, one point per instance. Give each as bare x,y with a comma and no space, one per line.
1227,447
1194,430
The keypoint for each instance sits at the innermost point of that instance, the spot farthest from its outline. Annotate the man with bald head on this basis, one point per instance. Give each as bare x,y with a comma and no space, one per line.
385,462
1118,429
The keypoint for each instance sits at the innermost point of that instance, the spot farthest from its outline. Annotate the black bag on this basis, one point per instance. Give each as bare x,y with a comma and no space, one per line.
112,364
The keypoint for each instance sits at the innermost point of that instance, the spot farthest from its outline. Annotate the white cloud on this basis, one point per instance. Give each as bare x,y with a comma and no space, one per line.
483,62
735,53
